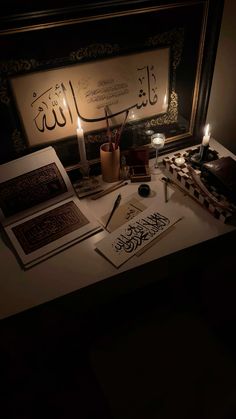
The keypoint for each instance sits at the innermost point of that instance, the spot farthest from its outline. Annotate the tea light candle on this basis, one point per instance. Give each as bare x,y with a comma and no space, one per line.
81,143
157,140
206,137
149,132
179,161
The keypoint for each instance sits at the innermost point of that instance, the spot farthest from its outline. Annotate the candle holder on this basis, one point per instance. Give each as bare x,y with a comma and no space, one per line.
202,155
84,169
157,142
198,158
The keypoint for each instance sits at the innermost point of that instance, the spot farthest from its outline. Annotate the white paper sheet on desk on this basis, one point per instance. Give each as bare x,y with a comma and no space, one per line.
127,240
123,214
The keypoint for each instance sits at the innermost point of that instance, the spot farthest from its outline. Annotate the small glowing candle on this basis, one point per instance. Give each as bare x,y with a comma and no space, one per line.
149,132
81,143
132,116
179,161
158,140
206,137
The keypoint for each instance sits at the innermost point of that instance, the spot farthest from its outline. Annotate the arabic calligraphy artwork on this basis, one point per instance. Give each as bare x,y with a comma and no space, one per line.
30,189
49,226
50,102
133,236
39,210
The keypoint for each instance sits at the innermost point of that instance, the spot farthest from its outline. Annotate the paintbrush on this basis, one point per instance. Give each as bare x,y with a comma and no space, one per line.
108,131
119,132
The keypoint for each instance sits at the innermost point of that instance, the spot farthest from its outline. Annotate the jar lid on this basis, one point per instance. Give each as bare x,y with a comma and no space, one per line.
144,189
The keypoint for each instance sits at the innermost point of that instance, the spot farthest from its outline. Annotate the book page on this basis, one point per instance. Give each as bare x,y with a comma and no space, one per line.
123,214
51,230
31,183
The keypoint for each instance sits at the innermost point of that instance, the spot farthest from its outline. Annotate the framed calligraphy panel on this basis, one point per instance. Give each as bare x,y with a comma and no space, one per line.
154,58
50,103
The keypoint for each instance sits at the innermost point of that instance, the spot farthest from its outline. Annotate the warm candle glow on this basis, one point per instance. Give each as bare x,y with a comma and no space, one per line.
158,140
207,136
81,143
207,130
179,161
132,115
79,123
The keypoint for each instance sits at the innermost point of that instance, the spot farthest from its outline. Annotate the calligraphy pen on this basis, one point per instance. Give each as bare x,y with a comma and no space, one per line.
116,204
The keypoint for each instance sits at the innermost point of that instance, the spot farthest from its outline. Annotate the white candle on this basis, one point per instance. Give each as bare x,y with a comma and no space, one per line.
81,143
157,140
149,132
179,161
206,137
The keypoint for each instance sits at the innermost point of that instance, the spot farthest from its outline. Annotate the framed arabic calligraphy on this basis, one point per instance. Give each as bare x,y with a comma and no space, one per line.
50,103
153,58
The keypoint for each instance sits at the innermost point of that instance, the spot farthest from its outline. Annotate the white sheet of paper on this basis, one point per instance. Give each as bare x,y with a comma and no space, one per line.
130,238
123,214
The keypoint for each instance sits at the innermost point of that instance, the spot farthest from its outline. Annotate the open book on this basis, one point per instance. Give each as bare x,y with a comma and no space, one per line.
39,209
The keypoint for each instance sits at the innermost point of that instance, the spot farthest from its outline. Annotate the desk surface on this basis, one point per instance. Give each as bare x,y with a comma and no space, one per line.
81,266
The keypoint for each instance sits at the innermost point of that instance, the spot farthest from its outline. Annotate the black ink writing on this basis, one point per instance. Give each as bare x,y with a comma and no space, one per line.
148,88
51,108
139,232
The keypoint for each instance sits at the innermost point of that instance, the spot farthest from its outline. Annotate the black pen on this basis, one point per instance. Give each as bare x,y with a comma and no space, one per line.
166,181
116,204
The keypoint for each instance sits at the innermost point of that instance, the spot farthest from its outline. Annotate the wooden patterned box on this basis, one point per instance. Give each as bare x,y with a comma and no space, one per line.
180,175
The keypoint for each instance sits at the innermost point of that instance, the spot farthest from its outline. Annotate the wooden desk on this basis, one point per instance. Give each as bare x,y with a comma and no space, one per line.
81,268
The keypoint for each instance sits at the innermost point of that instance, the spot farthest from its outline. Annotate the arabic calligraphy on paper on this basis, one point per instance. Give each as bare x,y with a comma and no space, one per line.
141,232
50,102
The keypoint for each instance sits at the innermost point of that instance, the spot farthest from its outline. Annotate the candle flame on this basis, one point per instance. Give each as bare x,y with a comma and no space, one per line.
132,115
79,123
207,129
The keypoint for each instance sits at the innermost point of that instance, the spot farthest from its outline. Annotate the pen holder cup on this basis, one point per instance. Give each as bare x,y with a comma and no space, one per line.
110,163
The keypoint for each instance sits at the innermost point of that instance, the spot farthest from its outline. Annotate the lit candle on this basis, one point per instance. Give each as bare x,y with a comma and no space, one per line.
149,132
132,115
206,137
179,161
158,140
81,143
